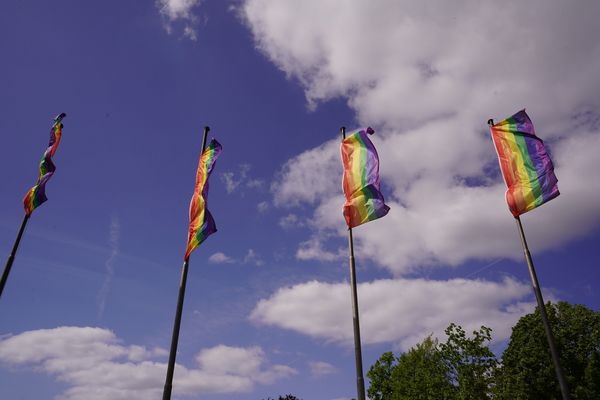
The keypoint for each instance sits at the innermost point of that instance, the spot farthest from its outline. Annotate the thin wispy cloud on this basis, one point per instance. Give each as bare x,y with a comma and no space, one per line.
263,206
236,181
291,221
252,257
109,265
182,11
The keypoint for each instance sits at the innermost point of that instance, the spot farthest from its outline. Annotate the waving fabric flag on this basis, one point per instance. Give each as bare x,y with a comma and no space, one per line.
202,223
37,194
364,201
525,164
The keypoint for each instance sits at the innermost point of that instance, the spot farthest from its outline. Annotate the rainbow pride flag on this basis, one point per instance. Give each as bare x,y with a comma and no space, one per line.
37,194
526,167
202,224
364,201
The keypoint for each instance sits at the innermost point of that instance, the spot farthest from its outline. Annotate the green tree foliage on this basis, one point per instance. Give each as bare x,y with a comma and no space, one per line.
380,375
461,368
527,371
470,361
424,374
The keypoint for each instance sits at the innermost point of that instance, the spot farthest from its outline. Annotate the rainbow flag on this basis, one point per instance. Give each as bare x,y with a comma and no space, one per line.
37,194
526,167
202,224
364,201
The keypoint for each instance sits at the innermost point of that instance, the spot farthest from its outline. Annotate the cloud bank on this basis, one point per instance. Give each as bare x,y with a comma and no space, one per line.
427,76
400,311
97,366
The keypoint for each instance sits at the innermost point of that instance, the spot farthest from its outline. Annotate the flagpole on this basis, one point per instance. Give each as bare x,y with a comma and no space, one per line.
11,258
177,324
540,302
360,381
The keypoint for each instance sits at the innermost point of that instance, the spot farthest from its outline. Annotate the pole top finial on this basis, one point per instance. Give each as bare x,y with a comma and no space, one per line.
490,122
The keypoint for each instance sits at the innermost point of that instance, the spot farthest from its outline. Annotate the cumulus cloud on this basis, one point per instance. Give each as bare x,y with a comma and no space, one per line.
290,189
400,311
97,366
220,258
180,10
321,368
239,361
427,76
313,249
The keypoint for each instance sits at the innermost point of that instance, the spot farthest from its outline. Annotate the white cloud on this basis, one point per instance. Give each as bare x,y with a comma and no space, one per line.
220,258
190,32
174,10
234,181
291,221
242,362
400,311
255,183
228,180
302,180
427,76
263,206
321,368
253,258
96,366
313,249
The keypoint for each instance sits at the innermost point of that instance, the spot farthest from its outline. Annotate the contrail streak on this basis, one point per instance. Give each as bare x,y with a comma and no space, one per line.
113,243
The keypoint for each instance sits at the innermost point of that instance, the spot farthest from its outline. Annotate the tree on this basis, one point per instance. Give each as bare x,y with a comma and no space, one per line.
380,375
422,374
527,371
461,368
470,361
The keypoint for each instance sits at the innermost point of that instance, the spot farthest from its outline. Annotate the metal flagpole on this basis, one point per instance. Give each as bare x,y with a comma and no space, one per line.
540,302
11,258
360,381
175,339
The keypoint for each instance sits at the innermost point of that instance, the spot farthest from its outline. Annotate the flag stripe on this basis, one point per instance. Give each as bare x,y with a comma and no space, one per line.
526,167
526,173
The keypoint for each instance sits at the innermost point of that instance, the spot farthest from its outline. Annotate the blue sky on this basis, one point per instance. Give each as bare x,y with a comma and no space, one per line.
88,309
